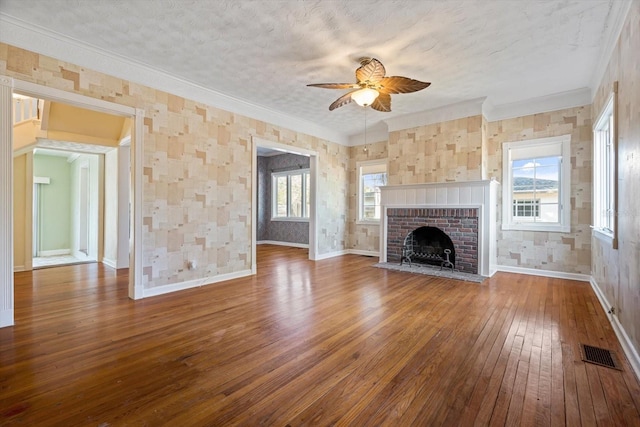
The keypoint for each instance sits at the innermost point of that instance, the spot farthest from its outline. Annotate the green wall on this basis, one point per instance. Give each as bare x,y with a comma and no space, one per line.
55,202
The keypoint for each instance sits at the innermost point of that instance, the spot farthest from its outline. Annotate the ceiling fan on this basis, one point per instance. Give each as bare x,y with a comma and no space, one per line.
372,87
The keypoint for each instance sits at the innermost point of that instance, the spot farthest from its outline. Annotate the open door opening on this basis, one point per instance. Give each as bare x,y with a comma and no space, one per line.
284,197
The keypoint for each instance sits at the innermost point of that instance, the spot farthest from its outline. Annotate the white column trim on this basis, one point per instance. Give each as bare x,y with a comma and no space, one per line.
6,201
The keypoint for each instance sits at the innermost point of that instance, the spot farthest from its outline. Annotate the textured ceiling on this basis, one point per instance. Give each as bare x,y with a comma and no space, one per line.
266,52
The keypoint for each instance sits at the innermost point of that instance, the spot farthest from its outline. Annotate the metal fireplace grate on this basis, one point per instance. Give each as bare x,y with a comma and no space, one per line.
599,356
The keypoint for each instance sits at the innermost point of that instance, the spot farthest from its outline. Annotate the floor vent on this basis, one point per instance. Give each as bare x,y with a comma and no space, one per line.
599,356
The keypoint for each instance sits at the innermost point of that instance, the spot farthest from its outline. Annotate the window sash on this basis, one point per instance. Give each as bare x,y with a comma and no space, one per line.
290,194
537,169
371,176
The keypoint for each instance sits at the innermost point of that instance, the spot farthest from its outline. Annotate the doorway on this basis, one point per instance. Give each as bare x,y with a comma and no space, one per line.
262,147
66,224
7,87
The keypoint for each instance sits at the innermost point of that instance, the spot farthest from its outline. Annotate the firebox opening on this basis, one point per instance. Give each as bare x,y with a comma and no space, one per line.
427,245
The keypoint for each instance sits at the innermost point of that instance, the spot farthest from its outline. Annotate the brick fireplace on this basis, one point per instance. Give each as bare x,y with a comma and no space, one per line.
465,211
461,225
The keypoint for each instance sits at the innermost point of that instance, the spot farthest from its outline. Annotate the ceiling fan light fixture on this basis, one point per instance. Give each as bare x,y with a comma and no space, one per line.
365,97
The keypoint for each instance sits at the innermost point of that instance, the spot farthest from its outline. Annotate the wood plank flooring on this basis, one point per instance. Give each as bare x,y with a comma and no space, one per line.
335,342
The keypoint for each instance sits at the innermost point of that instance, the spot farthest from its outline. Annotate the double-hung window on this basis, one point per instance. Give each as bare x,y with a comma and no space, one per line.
371,176
536,184
605,172
290,195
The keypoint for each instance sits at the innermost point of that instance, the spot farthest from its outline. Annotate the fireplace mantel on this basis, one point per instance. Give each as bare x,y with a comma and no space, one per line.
464,194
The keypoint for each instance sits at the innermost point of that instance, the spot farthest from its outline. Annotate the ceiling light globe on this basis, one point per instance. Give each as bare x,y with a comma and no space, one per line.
365,97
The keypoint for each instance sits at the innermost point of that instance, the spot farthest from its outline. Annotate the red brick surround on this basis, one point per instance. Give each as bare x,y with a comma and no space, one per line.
461,225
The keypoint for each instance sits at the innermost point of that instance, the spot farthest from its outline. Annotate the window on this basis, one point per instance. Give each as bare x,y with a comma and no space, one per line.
526,208
605,171
536,187
290,194
371,176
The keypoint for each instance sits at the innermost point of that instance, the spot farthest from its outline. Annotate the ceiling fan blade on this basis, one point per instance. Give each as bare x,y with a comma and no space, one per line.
343,100
398,84
371,71
382,103
335,85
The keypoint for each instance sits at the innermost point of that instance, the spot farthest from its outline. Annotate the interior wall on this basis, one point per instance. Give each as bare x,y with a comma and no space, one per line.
440,152
19,211
362,237
563,252
617,271
278,231
55,202
197,200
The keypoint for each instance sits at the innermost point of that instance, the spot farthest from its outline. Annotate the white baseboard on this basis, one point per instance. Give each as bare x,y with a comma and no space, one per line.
365,253
328,255
627,346
544,273
55,252
160,290
18,268
110,263
6,318
275,242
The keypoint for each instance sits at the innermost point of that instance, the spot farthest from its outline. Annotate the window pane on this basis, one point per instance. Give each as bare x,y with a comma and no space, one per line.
370,191
295,209
536,184
281,196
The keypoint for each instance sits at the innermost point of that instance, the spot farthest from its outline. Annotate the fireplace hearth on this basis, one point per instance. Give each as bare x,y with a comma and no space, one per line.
429,245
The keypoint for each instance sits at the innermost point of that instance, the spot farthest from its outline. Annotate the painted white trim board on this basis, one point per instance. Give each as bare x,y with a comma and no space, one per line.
278,243
626,343
109,263
365,253
331,255
196,283
544,273
6,318
55,252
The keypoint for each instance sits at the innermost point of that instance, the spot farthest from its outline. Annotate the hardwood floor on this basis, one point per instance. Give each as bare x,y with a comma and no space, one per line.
335,342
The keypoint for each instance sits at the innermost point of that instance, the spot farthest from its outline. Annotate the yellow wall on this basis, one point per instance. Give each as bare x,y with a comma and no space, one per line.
19,210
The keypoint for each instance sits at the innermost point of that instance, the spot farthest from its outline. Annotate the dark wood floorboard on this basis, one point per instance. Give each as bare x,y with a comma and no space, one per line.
333,342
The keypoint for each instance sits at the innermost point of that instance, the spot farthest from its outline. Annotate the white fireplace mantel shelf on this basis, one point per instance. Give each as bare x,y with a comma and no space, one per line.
461,194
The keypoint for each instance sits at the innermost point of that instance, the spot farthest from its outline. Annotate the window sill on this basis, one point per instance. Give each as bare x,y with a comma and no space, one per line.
550,228
290,219
365,222
602,235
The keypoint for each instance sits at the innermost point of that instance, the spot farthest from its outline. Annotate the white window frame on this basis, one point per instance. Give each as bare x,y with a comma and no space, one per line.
605,171
537,147
274,206
369,166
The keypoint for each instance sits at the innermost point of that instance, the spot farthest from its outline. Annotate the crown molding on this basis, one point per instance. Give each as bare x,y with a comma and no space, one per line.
459,110
34,38
553,102
615,22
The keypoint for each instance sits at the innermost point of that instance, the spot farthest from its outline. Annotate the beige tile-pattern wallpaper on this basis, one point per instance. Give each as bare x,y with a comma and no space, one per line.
197,173
567,252
362,237
617,272
441,152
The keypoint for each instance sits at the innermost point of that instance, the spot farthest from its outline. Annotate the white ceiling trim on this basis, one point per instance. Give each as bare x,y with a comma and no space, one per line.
447,113
37,39
615,22
543,104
